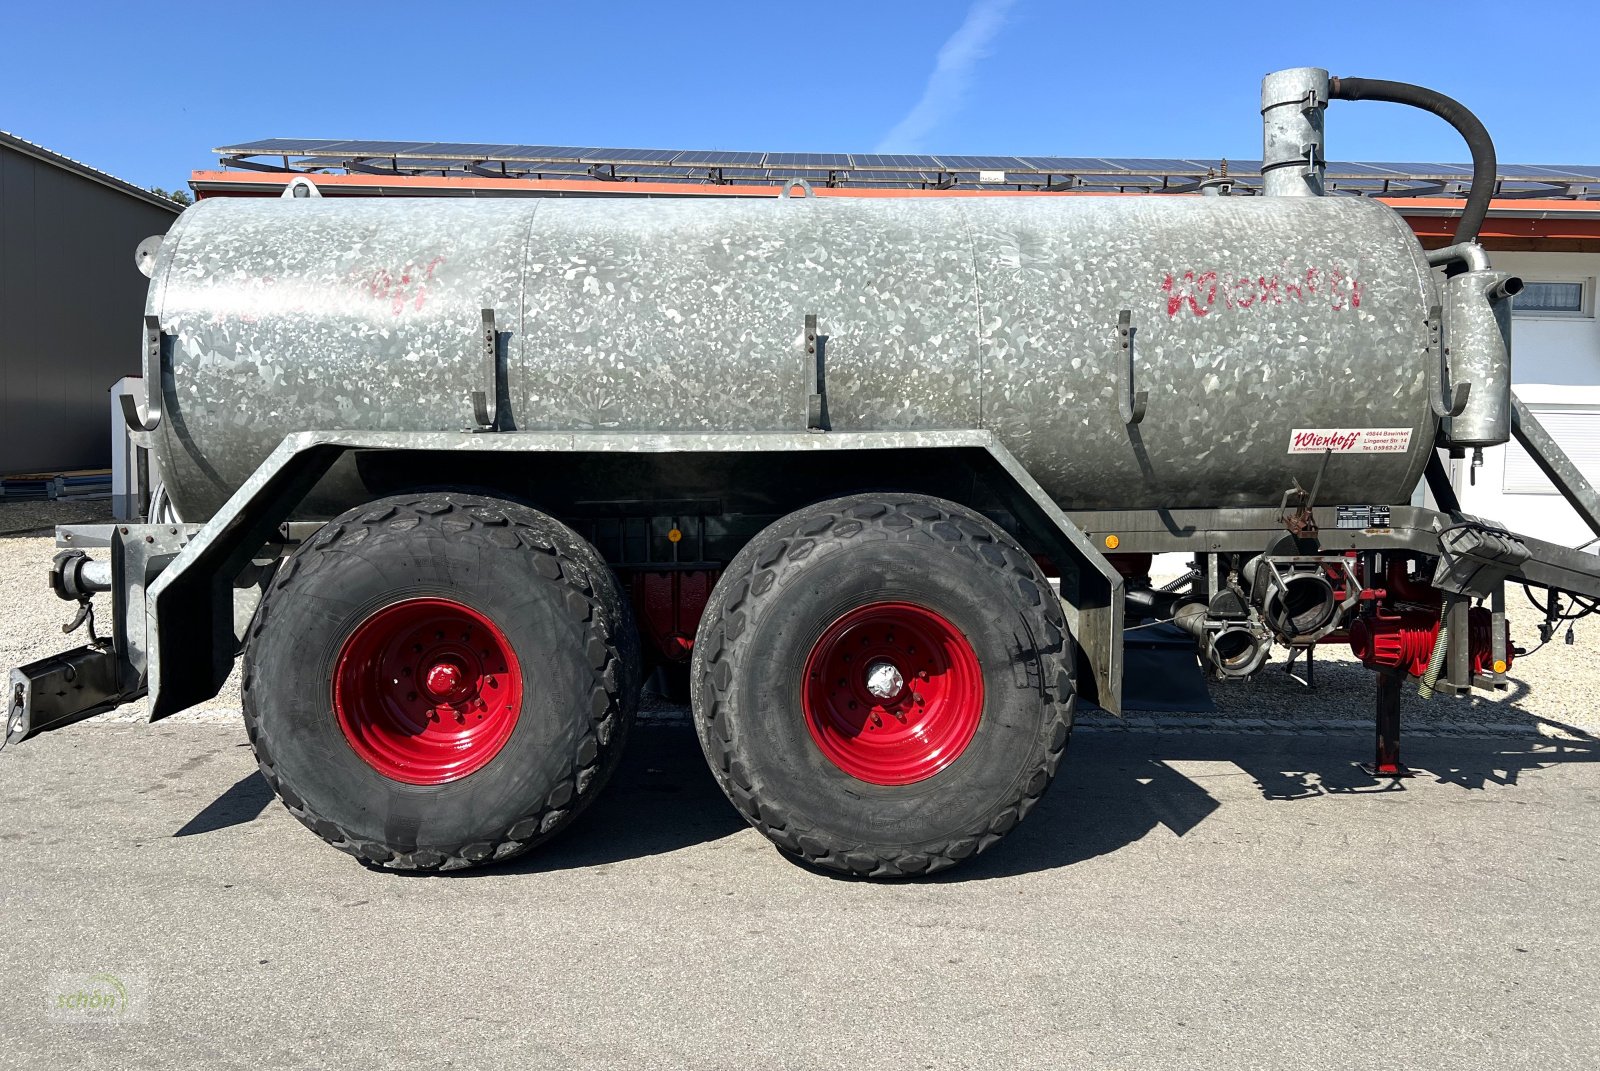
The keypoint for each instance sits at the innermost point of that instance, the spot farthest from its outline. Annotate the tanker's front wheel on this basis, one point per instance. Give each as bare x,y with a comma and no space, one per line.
438,680
882,684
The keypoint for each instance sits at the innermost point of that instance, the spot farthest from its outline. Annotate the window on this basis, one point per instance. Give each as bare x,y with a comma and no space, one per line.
1563,297
1576,431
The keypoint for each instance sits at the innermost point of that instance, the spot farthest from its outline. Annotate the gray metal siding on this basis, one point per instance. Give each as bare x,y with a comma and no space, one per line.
70,306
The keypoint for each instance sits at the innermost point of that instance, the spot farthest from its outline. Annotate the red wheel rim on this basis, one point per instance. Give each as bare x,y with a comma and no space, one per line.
892,693
427,691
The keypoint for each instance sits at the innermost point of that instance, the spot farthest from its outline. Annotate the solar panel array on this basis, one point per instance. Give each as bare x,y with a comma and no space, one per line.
889,171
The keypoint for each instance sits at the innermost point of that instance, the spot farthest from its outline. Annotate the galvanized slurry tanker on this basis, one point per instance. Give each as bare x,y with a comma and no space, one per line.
880,478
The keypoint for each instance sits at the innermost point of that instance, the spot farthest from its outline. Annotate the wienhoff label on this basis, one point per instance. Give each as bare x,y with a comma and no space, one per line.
1350,440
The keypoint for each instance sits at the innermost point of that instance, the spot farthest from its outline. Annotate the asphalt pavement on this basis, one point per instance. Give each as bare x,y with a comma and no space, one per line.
1204,900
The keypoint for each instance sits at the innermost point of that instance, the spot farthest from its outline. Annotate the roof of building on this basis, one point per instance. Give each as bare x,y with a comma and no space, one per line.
67,163
873,170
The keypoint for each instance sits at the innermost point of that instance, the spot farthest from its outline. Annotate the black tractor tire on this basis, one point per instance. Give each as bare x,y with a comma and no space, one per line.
779,598
558,608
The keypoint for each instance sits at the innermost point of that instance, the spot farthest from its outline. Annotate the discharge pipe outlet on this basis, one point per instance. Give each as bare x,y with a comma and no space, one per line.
1233,649
1298,608
1469,126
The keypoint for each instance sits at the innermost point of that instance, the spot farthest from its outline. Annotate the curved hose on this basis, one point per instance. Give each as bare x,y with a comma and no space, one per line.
1484,167
161,510
1436,660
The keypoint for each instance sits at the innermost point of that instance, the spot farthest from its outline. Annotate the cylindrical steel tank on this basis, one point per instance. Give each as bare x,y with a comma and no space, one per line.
1264,330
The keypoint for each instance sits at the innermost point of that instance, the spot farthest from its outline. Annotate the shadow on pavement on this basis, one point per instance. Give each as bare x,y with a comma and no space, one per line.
1117,787
242,803
661,799
1114,789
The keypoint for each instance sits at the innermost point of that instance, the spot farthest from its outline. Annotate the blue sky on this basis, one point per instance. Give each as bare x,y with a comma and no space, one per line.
146,91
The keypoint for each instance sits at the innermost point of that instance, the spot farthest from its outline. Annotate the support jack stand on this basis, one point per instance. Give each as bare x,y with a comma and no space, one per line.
1387,762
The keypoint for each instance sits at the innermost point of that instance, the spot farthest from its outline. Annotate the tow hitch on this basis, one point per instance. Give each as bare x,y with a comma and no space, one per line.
62,689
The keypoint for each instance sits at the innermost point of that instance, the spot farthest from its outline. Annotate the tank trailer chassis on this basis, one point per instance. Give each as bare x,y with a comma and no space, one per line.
875,484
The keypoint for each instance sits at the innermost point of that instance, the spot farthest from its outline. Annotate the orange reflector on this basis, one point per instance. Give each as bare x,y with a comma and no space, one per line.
674,535
1112,542
1499,665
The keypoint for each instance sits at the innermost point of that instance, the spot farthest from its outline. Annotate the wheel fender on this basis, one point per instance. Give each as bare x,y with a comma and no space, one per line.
189,608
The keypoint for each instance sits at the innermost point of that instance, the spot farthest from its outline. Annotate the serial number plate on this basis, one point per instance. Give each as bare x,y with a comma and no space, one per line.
1362,517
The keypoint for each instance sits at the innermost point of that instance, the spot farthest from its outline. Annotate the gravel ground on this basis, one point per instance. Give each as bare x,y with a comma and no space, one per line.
40,516
1550,691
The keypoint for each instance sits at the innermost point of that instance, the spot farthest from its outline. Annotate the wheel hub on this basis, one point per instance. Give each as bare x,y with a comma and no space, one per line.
884,680
427,691
444,680
892,693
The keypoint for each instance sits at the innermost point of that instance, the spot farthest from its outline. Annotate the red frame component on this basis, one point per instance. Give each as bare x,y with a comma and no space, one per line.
427,691
1405,640
912,734
668,604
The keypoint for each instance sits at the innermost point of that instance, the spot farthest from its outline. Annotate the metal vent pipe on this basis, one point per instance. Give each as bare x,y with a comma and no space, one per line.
1293,103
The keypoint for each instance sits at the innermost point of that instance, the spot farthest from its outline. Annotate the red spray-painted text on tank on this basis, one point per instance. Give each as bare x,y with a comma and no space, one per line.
404,287
1204,292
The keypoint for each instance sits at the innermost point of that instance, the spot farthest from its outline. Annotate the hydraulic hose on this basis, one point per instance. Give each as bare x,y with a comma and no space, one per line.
1484,167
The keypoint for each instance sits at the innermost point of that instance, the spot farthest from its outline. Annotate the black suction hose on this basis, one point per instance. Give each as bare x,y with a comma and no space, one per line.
1452,112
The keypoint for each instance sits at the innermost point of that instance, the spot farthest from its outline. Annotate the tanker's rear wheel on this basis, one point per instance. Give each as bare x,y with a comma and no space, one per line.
437,680
883,684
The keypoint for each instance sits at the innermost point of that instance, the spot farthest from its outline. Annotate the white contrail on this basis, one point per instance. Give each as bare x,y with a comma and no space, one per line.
947,85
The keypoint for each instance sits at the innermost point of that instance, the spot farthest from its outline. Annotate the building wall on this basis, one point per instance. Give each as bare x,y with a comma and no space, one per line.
1555,369
71,300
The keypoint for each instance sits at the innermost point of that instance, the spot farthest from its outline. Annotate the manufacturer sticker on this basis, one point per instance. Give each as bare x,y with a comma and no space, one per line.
1350,440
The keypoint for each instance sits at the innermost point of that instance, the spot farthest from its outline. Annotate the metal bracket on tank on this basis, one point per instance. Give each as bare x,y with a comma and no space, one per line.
300,187
1309,151
1130,403
1447,399
145,255
486,402
149,418
816,348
